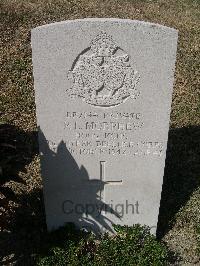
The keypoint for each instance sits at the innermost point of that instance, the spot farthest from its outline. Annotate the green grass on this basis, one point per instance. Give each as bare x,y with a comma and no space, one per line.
21,204
130,246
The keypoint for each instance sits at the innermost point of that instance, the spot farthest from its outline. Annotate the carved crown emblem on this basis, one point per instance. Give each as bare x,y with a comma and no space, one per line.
102,75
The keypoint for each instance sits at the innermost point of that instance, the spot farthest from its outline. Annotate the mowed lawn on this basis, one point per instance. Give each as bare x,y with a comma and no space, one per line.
21,205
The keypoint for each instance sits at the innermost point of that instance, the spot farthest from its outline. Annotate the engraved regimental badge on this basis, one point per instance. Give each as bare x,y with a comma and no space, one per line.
102,75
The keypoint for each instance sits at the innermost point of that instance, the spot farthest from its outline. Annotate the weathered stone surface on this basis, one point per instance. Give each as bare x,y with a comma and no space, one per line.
103,92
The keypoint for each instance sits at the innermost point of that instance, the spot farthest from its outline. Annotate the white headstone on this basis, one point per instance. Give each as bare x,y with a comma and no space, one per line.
103,93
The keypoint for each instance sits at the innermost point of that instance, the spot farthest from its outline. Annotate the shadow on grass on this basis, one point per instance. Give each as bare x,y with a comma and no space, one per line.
17,149
21,240
182,174
22,221
23,229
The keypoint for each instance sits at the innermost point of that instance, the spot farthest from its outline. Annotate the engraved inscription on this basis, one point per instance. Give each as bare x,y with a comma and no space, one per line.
107,133
113,148
102,75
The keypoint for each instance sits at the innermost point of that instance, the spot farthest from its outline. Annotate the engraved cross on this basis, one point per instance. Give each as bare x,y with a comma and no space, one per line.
103,177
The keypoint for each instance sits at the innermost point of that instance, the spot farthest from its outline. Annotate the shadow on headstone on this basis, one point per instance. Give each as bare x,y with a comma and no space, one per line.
181,178
23,234
23,223
72,194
